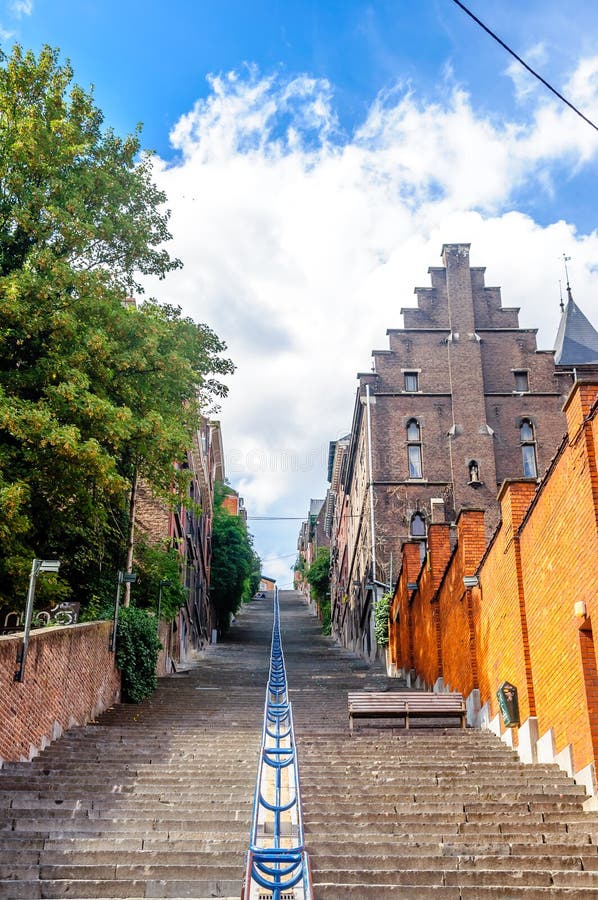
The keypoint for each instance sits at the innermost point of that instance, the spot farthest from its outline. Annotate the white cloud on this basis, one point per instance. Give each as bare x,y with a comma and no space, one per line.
300,248
523,81
21,7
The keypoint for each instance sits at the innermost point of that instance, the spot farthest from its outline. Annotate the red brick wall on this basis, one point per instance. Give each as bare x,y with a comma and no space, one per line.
559,551
454,603
521,623
499,632
70,678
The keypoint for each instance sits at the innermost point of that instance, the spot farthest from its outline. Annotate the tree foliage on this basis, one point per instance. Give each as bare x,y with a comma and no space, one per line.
318,577
158,577
236,569
92,389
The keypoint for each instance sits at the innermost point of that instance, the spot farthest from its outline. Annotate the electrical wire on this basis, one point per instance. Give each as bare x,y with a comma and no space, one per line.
524,64
275,558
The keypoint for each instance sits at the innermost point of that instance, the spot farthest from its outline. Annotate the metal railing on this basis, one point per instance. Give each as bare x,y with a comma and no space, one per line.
277,862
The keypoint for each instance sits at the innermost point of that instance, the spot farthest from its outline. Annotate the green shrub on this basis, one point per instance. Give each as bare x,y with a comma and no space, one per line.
318,576
137,648
381,613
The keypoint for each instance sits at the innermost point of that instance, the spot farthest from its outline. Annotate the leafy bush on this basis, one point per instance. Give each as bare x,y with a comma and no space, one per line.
381,613
318,576
137,648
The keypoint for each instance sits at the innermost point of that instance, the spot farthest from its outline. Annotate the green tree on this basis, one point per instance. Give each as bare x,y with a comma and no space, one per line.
318,577
158,571
94,392
236,569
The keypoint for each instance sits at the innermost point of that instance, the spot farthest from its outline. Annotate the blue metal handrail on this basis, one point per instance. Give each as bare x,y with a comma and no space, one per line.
277,860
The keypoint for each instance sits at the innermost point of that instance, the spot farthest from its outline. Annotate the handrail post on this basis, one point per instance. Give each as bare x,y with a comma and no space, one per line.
277,860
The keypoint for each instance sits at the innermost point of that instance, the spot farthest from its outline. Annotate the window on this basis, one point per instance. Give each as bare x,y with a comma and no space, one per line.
411,380
418,525
528,449
521,382
414,449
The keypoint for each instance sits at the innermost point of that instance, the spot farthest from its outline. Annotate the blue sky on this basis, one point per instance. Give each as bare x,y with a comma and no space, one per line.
316,155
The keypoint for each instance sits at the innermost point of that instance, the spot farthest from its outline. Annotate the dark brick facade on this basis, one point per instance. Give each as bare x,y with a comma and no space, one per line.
468,380
188,527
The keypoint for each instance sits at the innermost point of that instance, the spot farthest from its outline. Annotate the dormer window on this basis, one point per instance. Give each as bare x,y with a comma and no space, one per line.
521,381
414,449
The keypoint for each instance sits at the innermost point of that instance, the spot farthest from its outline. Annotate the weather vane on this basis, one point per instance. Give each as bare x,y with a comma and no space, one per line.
566,259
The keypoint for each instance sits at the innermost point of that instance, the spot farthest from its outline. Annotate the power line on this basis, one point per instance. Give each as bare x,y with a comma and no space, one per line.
274,558
276,518
524,64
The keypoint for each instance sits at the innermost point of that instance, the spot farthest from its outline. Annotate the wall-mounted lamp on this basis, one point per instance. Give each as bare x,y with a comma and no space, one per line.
579,609
471,581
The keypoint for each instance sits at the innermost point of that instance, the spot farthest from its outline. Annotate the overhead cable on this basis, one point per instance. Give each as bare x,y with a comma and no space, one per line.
524,64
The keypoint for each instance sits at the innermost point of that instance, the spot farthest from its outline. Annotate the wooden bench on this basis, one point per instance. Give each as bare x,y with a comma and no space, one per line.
405,705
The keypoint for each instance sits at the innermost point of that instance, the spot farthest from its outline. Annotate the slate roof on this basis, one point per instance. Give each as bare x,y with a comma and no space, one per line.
577,339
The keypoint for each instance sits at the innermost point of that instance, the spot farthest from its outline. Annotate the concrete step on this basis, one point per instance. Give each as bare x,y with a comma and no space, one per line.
155,801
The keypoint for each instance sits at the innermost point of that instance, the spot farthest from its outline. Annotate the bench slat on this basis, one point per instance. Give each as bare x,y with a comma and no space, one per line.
404,705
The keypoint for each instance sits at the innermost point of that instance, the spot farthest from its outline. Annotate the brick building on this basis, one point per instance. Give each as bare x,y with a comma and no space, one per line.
234,504
312,535
188,527
520,609
461,401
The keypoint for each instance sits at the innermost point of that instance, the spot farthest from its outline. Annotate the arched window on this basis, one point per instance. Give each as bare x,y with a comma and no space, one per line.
414,449
528,449
417,527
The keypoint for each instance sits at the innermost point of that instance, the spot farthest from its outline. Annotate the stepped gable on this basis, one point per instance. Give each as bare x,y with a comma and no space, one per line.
577,340
155,800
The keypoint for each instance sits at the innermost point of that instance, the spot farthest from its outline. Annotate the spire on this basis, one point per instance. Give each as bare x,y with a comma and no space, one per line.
577,340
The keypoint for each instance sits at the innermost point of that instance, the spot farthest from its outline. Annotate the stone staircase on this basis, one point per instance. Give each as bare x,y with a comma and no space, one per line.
429,813
155,800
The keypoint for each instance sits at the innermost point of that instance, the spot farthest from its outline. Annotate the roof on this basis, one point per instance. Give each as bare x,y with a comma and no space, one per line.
577,339
332,452
315,507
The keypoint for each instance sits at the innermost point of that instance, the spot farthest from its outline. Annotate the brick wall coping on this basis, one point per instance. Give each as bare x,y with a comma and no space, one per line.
50,629
506,484
469,509
580,383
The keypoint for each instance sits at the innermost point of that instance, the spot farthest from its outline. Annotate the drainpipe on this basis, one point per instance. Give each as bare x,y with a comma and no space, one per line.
371,477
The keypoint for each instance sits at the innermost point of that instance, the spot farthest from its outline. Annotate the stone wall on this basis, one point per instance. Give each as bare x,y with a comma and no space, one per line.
70,678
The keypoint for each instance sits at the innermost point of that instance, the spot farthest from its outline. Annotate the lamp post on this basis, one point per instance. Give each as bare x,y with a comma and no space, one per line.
123,578
38,566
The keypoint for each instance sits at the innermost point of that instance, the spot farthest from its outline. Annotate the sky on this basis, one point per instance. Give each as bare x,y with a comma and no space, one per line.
316,156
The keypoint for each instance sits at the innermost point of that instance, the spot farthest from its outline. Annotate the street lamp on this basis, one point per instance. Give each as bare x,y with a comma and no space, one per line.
38,566
123,578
